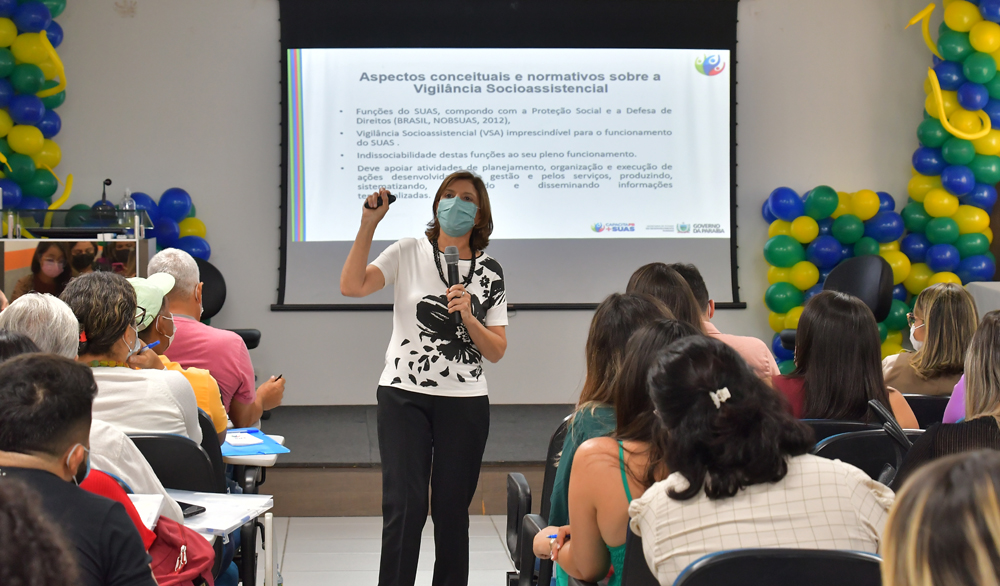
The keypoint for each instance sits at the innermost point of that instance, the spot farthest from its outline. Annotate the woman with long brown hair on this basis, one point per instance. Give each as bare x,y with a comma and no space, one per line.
49,271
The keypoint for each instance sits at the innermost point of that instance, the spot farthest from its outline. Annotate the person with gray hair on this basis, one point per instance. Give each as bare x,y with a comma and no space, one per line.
46,320
221,352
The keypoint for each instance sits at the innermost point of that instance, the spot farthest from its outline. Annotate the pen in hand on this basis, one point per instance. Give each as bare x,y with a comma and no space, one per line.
148,346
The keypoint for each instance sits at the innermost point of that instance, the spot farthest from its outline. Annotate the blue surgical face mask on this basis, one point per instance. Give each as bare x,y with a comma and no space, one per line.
456,216
84,471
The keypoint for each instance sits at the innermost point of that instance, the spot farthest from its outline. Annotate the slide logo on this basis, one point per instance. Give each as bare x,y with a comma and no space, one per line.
617,227
598,227
709,65
683,227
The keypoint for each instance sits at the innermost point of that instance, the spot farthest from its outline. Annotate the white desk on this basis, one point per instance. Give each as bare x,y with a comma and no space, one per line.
262,461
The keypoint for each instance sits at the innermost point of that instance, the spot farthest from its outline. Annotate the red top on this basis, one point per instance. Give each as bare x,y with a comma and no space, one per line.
793,388
101,484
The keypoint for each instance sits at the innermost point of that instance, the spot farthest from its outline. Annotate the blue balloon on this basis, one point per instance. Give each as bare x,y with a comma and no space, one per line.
11,193
824,252
144,202
885,202
927,161
914,246
812,291
823,274
786,204
949,74
31,17
885,227
992,109
26,109
958,179
50,124
780,352
846,251
55,33
973,96
976,268
196,246
766,213
7,8
825,226
34,203
943,257
175,203
899,292
982,196
6,92
990,9
166,231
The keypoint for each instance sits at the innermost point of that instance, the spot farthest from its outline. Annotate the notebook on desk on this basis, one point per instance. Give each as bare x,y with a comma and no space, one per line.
266,446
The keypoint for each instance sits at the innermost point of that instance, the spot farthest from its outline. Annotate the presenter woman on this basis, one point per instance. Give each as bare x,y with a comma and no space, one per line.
433,409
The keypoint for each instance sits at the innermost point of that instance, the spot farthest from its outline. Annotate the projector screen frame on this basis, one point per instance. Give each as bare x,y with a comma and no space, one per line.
311,10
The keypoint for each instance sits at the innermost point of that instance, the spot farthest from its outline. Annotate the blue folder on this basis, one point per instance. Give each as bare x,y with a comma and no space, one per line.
268,447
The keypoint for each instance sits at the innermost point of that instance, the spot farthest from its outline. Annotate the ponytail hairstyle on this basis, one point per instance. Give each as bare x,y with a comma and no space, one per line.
724,428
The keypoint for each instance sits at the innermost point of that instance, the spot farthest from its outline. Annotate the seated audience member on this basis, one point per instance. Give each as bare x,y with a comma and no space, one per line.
3,301
119,256
664,283
610,471
33,551
134,401
614,322
82,255
48,271
158,328
753,350
740,475
47,321
944,529
45,403
837,368
982,406
943,321
222,353
14,344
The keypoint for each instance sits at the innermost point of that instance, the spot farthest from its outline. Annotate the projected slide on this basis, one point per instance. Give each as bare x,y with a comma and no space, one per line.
572,143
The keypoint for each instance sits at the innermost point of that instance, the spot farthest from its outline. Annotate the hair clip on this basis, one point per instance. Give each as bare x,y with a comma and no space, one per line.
719,397
83,337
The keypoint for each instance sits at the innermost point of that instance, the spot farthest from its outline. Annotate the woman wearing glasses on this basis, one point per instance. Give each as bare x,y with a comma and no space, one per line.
943,321
134,401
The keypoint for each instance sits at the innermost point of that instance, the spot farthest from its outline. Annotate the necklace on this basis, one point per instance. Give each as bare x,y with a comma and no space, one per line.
437,261
108,363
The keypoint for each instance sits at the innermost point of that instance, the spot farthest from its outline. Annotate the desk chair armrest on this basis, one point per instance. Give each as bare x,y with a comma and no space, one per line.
518,505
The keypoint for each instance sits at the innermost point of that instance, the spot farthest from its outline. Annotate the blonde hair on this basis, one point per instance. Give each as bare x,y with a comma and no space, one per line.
944,528
982,369
950,319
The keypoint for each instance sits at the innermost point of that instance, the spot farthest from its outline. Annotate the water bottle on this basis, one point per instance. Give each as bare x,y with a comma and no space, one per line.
127,203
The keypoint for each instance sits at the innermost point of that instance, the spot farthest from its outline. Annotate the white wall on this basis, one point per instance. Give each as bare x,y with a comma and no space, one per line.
185,93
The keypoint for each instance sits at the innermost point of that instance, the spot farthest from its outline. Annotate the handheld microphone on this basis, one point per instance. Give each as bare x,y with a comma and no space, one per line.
378,204
451,259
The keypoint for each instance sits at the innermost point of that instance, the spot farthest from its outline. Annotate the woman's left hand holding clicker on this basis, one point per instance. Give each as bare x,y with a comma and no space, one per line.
460,300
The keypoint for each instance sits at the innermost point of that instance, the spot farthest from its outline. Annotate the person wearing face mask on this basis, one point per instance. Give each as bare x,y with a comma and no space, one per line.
48,271
45,417
433,409
132,398
121,256
942,324
82,256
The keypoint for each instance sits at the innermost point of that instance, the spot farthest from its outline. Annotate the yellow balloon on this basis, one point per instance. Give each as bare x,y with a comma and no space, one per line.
865,204
916,281
971,219
25,139
49,69
900,264
944,277
948,99
965,121
792,318
804,229
8,32
192,227
895,336
6,123
985,36
28,48
961,16
804,275
927,86
779,227
843,205
989,144
779,275
890,349
776,321
919,185
888,246
49,156
940,204
989,234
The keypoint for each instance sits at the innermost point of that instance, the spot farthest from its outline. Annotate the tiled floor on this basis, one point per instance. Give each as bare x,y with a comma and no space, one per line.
345,551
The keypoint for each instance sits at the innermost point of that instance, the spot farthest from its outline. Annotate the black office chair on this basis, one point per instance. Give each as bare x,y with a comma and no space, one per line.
929,410
870,450
824,428
214,297
783,567
210,443
636,572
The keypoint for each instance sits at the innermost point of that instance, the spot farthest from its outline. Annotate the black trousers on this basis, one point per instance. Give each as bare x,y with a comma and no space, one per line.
437,441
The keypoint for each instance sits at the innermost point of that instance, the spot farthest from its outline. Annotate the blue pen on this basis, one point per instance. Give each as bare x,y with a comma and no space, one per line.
148,346
553,536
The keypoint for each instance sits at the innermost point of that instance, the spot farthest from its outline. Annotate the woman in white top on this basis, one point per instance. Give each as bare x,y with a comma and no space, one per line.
432,396
741,475
130,396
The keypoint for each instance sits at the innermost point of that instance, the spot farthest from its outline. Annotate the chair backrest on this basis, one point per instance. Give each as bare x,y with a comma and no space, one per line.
929,410
635,572
214,288
869,278
783,567
551,458
868,450
178,462
825,428
210,443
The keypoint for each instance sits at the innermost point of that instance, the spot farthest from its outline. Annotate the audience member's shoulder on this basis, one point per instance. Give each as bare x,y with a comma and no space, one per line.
852,477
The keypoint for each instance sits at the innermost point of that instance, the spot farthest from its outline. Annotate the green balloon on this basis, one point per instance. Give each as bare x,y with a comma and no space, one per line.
847,229
6,62
27,78
986,168
954,46
78,215
192,213
54,101
22,168
915,217
782,297
972,244
911,303
783,251
5,147
979,67
993,86
55,7
944,28
883,331
786,366
821,202
897,316
942,231
865,246
958,151
931,133
42,184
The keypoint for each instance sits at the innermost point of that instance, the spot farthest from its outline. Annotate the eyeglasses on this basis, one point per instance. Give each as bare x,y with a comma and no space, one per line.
911,320
140,315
